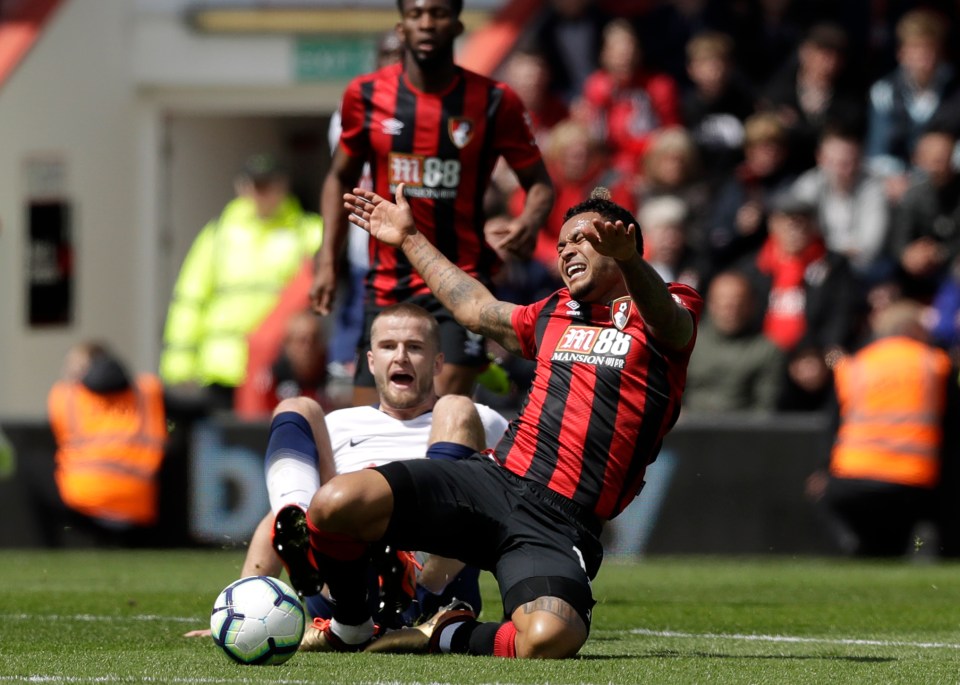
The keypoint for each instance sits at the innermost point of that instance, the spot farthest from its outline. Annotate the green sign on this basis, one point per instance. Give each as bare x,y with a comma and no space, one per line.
333,58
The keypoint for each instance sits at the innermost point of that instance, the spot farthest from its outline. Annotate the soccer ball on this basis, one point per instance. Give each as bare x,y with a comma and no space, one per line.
258,620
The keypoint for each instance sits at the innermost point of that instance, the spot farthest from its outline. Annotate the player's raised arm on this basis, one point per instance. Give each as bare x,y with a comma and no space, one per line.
473,305
667,321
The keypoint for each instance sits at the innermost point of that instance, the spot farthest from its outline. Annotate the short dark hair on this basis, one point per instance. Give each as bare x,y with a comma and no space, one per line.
600,203
412,311
456,6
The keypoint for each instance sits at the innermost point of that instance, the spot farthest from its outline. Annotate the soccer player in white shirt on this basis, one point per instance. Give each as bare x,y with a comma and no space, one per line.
306,448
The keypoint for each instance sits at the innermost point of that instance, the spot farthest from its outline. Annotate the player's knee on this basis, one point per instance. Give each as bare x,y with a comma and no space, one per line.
546,636
333,505
454,407
309,408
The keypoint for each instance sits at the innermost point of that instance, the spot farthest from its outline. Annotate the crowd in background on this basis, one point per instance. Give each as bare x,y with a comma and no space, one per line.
802,150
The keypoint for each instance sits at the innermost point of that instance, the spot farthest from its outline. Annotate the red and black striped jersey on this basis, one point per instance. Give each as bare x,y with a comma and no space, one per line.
603,397
443,146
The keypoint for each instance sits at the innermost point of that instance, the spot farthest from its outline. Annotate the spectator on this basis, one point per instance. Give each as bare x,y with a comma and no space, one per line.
852,209
738,222
925,233
577,162
671,167
110,431
528,72
809,298
624,102
943,318
813,91
734,367
718,102
232,279
886,458
665,244
766,34
569,32
902,103
298,371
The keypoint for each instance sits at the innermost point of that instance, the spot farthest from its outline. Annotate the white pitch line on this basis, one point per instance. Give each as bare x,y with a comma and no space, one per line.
91,618
794,639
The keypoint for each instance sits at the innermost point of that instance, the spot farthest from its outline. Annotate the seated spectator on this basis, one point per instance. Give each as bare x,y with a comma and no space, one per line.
665,247
895,397
578,163
623,102
110,429
734,367
671,167
925,231
943,317
299,370
718,102
738,220
527,71
812,91
808,294
902,103
570,34
852,209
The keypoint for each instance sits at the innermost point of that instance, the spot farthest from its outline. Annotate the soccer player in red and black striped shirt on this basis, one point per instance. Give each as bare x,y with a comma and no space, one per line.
439,129
611,351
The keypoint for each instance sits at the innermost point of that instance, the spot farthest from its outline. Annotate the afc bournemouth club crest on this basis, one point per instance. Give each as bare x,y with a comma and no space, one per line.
460,130
620,312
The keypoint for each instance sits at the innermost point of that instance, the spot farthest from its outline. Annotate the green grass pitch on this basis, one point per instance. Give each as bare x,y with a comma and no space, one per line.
119,616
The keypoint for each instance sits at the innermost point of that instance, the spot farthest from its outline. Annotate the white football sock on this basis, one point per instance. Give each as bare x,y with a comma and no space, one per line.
352,635
292,478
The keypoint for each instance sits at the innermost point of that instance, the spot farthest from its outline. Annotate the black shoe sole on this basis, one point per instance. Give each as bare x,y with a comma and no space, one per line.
291,540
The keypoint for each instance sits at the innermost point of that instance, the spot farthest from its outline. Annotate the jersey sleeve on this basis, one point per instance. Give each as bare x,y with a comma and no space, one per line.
353,134
515,139
524,320
494,424
688,298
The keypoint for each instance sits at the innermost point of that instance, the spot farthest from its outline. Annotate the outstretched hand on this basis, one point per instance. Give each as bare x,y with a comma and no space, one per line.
387,222
613,239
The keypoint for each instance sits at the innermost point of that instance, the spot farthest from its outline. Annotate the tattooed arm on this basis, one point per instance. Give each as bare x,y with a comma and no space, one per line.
473,305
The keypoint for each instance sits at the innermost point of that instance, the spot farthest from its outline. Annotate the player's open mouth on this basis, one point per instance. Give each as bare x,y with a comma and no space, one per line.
574,270
401,379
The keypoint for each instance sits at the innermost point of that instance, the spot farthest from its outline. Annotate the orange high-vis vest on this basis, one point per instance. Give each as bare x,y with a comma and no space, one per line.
892,395
109,449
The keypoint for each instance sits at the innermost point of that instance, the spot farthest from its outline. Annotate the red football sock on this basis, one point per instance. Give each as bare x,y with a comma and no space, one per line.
505,641
334,545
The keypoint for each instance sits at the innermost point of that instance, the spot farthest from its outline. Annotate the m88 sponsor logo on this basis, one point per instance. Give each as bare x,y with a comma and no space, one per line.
429,177
593,345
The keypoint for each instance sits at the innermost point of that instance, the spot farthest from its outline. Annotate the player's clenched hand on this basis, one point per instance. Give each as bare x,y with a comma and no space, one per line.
387,222
613,239
518,238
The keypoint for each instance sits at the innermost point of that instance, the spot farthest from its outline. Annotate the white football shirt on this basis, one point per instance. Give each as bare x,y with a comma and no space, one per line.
365,436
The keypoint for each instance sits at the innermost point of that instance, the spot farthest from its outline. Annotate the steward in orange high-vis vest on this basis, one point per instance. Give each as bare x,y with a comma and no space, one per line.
886,459
110,435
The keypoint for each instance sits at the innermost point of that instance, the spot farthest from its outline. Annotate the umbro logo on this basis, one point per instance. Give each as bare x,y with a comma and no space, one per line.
391,127
356,441
574,308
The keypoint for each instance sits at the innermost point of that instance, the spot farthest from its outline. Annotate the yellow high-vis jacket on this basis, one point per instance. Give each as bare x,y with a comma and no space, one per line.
230,281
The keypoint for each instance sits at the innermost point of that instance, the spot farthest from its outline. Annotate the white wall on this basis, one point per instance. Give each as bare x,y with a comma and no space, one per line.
72,97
